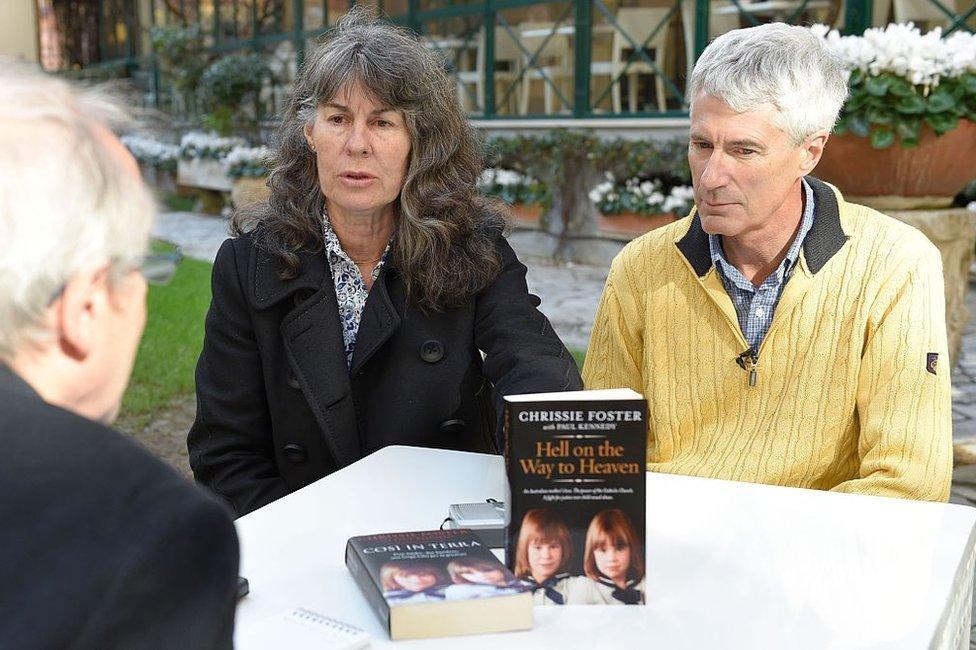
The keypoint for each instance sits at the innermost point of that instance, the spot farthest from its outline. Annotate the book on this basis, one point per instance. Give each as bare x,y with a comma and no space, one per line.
302,629
437,583
576,505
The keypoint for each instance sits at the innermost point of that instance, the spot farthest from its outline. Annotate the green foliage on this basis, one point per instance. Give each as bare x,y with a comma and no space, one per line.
889,108
557,153
181,54
227,84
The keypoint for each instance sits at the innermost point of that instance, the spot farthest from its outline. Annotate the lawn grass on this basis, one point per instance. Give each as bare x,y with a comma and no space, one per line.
578,355
171,343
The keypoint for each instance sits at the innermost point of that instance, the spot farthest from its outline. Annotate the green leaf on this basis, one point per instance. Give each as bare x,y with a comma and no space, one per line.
856,101
879,115
860,126
908,130
877,86
901,88
942,122
911,104
882,138
968,81
940,102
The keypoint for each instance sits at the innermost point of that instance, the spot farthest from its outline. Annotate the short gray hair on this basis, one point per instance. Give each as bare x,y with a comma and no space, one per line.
66,199
783,66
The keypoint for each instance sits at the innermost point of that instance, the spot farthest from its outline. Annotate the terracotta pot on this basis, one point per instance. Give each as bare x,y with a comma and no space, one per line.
633,223
527,214
929,175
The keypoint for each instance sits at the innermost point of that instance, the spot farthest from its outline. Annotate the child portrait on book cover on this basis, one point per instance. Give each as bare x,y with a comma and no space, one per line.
412,582
613,559
477,578
543,553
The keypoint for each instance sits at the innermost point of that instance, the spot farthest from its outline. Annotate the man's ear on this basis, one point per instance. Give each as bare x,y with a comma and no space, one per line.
813,148
77,311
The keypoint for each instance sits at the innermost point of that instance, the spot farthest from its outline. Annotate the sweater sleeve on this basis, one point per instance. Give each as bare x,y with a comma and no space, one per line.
613,359
903,396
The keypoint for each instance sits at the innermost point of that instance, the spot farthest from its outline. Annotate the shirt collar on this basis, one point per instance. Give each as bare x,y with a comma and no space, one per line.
792,255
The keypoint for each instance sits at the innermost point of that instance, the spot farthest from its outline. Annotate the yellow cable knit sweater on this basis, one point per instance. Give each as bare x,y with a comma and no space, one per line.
848,395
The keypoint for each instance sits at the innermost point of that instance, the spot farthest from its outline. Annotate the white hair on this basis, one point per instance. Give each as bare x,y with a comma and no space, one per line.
785,67
67,200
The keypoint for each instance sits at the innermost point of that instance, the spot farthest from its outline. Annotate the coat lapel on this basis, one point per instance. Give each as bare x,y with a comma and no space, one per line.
312,336
379,321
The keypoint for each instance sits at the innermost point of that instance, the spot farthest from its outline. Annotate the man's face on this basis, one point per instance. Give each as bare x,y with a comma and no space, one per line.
743,167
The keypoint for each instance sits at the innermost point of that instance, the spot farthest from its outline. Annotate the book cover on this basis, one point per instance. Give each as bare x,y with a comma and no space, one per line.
576,473
437,583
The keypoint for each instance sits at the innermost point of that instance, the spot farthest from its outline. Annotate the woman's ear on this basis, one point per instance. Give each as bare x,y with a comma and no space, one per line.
307,130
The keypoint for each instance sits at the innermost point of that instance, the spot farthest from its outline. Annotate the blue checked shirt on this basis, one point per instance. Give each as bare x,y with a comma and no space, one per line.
754,306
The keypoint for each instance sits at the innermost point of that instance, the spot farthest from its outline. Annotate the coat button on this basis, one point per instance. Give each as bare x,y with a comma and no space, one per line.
293,380
432,351
294,453
452,426
302,295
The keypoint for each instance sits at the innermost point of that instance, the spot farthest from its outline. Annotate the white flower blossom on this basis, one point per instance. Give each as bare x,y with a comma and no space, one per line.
902,49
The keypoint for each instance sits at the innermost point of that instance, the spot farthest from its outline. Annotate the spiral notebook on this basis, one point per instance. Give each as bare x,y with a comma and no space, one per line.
298,629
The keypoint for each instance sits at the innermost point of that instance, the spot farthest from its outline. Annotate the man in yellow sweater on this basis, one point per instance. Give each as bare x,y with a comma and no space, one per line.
780,334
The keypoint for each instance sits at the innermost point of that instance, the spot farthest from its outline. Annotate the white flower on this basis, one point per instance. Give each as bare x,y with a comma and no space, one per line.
207,145
902,49
646,188
595,195
972,206
246,155
147,150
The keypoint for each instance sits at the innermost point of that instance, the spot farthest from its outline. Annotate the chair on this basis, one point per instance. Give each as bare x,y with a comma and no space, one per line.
718,24
552,64
923,12
638,23
508,59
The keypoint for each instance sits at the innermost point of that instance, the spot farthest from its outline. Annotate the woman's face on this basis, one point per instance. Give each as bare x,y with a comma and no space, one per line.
545,556
612,560
485,576
412,581
362,149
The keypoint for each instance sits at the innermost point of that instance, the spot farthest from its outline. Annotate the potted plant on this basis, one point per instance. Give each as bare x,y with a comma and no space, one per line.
527,196
248,168
637,205
228,86
200,161
157,161
908,127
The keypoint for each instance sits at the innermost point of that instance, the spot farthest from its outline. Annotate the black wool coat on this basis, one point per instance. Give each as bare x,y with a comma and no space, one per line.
102,545
278,407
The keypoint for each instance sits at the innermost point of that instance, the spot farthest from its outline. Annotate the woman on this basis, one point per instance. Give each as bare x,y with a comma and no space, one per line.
613,559
351,311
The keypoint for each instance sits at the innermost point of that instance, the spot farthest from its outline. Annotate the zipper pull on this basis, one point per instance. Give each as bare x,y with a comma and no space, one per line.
748,360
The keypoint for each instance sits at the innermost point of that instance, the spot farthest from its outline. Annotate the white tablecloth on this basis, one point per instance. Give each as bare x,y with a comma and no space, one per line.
730,565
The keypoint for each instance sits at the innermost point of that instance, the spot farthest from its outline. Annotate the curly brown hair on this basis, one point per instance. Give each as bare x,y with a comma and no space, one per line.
444,240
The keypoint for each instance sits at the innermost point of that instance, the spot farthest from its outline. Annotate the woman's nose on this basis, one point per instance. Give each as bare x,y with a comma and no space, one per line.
358,141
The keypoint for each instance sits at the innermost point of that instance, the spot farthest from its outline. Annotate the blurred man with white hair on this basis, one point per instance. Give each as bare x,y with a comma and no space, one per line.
102,546
780,334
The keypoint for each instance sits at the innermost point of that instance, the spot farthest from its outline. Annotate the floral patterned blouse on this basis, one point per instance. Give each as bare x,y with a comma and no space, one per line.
350,287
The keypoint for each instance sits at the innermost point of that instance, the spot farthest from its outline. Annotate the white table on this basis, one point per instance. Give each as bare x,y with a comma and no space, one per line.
730,565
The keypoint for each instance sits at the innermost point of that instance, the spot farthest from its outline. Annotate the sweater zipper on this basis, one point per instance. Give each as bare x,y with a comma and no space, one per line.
749,361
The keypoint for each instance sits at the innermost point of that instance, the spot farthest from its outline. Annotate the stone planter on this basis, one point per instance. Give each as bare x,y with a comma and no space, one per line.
203,173
898,178
632,224
953,231
249,190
